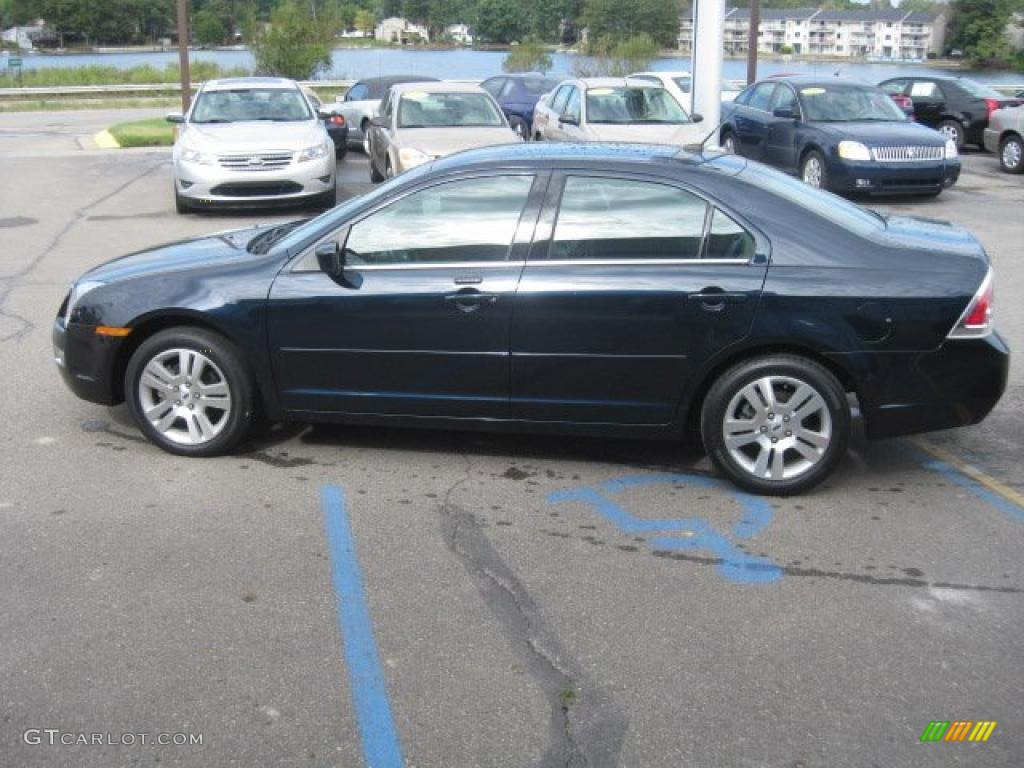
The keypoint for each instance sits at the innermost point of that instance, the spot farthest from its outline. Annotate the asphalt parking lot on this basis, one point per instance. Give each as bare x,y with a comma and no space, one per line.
341,596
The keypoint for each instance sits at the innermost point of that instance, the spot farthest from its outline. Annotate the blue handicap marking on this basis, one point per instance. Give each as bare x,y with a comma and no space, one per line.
736,565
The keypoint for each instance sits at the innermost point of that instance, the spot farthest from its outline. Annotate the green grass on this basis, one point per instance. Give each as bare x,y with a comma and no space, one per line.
94,74
156,132
60,105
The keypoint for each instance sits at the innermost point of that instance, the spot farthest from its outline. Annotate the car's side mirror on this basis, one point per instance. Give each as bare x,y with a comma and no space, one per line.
787,113
175,117
330,258
569,120
697,117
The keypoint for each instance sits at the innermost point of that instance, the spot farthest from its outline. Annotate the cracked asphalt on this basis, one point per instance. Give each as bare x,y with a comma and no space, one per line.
535,601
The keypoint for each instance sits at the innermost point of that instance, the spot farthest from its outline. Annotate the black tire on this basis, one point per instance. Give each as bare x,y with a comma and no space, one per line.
788,374
229,368
341,151
806,172
326,200
520,127
375,176
952,129
180,204
729,142
1011,154
389,171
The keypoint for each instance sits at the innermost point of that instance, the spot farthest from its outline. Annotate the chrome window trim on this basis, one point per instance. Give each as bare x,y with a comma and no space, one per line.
436,265
640,262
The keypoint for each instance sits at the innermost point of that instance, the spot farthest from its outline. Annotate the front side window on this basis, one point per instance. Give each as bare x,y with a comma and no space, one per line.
572,106
761,96
244,104
459,221
619,219
559,99
419,109
784,99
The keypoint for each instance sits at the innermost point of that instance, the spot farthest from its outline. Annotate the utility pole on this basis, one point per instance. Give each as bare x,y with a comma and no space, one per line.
752,35
186,77
706,61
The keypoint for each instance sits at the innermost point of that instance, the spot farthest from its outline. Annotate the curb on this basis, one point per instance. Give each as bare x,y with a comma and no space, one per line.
105,140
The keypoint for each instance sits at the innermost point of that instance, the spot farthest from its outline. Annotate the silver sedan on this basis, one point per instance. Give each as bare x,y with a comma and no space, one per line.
1004,137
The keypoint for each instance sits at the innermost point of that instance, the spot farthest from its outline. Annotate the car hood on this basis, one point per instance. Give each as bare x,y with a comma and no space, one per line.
636,133
198,252
253,135
440,142
877,134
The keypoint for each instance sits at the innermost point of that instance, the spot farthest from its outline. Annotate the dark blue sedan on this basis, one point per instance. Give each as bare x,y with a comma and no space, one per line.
570,289
518,95
840,135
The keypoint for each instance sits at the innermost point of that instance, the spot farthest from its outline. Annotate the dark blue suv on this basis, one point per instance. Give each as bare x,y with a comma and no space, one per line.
837,134
518,95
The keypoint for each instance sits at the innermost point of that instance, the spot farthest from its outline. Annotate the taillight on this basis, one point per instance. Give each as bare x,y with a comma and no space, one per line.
992,105
977,318
336,120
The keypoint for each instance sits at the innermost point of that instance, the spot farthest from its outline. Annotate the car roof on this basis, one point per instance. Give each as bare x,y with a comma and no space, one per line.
235,83
543,154
661,73
805,80
395,79
438,86
610,82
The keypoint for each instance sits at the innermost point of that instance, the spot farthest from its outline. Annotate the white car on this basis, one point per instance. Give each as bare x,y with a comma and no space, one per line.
614,109
252,141
680,84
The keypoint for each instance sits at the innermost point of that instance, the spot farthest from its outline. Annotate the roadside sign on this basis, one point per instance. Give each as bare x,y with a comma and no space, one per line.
14,61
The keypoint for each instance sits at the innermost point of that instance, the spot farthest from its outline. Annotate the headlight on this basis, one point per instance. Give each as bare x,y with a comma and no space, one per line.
189,155
853,150
951,151
410,157
78,290
312,153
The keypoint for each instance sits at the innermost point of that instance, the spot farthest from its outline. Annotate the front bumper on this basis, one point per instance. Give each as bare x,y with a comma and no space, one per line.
956,385
909,178
87,362
213,185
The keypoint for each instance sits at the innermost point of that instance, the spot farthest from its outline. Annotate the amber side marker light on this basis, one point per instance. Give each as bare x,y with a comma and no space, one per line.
109,330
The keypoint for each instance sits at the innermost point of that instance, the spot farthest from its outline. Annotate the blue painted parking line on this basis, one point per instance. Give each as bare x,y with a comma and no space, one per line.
369,693
693,533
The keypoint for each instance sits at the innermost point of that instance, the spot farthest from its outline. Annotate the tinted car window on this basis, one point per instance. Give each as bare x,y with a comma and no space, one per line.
623,219
761,97
744,96
358,92
784,98
727,239
894,86
572,106
559,99
493,86
460,221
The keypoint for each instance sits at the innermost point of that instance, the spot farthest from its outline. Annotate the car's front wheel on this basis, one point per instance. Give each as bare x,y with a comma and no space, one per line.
777,424
812,170
181,205
1011,154
189,392
952,130
729,143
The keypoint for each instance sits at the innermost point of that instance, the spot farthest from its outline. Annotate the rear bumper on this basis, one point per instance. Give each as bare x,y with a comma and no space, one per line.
956,385
910,178
86,362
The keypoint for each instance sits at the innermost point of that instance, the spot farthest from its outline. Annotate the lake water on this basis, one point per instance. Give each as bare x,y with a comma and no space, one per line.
352,63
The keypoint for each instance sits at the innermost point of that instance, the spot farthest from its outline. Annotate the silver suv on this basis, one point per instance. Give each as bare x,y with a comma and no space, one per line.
252,141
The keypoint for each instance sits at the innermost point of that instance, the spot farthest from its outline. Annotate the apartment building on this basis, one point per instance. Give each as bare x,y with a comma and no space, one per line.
889,34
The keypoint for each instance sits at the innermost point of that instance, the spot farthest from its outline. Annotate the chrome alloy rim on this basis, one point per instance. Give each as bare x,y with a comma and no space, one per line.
812,172
729,145
777,428
185,396
950,132
1011,154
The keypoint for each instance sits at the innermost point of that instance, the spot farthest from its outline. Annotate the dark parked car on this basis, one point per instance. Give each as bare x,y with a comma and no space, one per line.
334,122
957,107
840,135
602,289
517,95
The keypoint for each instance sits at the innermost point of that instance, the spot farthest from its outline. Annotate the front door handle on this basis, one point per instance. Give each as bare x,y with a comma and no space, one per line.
470,301
714,299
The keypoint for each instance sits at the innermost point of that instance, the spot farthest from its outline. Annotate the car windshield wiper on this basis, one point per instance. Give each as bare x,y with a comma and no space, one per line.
214,120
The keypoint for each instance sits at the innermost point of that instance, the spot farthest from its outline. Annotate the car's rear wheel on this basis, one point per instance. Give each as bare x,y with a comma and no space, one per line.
520,127
365,128
951,129
812,170
189,392
1011,154
777,424
375,176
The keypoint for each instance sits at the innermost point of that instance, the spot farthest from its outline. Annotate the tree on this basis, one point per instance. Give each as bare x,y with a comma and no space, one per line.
605,57
978,28
365,22
207,28
293,45
499,21
658,19
528,56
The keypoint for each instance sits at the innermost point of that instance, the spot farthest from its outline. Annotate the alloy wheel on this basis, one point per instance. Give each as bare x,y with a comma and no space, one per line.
1012,155
185,396
812,172
777,428
951,131
729,144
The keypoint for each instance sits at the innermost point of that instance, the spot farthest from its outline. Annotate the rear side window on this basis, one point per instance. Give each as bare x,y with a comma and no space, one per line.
925,89
727,239
493,86
620,219
894,86
358,92
468,220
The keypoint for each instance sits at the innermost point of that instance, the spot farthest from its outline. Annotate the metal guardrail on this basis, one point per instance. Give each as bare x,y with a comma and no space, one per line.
131,88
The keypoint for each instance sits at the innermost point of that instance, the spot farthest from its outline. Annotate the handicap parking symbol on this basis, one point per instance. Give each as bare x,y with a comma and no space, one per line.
694,533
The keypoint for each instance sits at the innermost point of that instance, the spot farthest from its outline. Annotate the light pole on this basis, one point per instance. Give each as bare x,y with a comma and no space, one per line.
186,77
752,36
706,64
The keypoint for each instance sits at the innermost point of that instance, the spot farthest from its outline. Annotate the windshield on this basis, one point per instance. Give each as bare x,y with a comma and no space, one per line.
242,104
536,86
446,110
841,103
979,91
623,104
